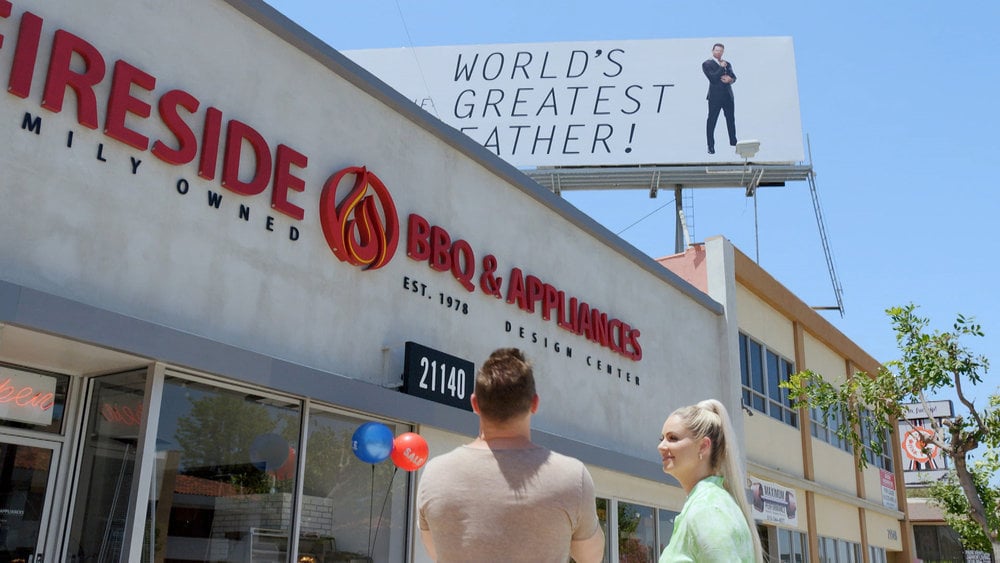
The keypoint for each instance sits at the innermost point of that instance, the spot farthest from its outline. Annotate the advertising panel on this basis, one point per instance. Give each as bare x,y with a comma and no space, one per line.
923,461
770,502
607,102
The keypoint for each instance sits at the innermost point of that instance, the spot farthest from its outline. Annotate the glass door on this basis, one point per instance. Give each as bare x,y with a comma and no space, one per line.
27,481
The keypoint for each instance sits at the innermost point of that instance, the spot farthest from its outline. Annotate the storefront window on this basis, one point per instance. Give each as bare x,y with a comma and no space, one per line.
602,517
665,522
103,501
225,475
32,400
636,533
351,510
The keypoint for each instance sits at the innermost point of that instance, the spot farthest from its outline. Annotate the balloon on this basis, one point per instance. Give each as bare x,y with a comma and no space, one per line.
372,442
287,470
268,451
409,451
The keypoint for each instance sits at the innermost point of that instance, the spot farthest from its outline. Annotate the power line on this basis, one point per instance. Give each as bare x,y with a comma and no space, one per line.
644,217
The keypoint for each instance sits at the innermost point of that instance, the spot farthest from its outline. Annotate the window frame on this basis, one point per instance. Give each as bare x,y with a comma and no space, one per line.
762,370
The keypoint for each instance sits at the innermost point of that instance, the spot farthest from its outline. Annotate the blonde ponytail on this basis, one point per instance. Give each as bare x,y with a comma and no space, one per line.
710,418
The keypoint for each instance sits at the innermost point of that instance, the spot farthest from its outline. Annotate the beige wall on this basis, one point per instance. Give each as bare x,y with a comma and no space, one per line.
773,444
837,520
834,467
764,323
883,531
822,360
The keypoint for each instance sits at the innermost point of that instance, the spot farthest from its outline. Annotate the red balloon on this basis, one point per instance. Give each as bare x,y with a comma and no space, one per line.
409,451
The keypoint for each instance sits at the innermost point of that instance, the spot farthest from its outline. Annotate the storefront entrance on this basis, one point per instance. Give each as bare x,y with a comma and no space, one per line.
27,485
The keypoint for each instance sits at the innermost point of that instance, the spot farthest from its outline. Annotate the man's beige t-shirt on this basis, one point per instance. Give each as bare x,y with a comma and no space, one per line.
506,505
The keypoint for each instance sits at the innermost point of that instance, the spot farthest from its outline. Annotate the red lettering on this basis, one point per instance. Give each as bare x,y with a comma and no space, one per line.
440,258
121,102
463,264
210,143
552,300
584,320
535,291
616,339
284,180
60,76
236,133
599,322
22,72
187,143
633,339
418,231
515,291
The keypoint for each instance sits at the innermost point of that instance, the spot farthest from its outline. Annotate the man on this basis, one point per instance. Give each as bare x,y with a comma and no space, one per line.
502,497
720,95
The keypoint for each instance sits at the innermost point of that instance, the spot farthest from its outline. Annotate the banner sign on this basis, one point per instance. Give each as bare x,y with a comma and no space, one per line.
606,102
770,502
888,489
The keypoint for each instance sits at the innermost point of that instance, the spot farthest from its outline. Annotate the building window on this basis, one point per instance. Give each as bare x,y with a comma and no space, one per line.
793,547
876,454
762,371
824,425
876,554
833,550
938,543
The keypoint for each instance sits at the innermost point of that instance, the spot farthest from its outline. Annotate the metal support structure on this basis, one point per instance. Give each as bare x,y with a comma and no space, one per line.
680,231
749,176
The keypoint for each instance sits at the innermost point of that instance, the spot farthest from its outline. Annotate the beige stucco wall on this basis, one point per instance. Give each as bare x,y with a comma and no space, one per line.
764,323
835,519
773,444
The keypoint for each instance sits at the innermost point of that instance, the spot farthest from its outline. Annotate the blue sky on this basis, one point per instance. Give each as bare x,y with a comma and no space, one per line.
896,100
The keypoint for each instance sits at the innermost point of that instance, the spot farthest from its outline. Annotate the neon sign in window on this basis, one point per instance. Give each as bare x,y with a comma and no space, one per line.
26,397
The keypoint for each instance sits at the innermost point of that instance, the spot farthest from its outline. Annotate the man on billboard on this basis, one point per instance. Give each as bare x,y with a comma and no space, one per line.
720,95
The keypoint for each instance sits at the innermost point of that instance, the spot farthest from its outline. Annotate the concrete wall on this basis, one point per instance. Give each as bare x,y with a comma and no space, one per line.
105,222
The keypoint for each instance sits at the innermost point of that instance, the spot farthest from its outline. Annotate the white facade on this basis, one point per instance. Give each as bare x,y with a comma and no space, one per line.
135,133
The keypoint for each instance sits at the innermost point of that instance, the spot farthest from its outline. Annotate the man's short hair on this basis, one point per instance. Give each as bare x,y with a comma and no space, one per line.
718,45
505,385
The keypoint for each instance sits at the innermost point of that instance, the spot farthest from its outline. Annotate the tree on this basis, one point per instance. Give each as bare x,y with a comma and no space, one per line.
931,361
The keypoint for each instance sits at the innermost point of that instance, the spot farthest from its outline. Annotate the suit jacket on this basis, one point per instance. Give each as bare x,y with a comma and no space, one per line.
717,89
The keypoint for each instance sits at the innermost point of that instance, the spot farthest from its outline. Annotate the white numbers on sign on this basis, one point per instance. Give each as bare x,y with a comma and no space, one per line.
442,378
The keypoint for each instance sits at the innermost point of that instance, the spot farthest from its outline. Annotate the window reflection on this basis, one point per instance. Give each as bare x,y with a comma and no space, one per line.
103,498
225,475
353,508
636,533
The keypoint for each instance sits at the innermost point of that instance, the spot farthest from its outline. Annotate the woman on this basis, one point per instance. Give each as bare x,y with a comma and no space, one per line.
698,449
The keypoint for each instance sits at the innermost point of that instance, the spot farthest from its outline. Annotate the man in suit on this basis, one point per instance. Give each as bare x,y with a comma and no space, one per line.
720,95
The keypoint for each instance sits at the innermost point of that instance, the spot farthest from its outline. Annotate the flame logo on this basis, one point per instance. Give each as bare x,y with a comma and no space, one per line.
355,230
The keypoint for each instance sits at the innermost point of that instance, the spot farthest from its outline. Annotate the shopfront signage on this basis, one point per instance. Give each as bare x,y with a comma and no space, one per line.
770,502
355,209
439,377
26,397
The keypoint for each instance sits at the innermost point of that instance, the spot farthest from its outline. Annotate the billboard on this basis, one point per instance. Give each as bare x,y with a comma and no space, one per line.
607,102
923,461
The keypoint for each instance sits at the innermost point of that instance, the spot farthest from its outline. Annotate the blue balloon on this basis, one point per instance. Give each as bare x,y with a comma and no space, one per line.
372,442
268,452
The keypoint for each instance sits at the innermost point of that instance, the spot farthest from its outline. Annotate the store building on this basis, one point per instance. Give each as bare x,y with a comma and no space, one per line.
810,500
223,247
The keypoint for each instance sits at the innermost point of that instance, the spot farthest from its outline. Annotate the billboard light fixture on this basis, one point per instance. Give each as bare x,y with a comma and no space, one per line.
747,149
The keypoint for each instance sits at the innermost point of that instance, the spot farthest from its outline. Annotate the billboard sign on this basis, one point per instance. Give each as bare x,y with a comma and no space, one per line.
923,461
606,102
771,502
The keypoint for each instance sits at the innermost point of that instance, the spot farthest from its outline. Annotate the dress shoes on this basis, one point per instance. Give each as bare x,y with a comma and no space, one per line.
711,151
